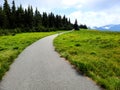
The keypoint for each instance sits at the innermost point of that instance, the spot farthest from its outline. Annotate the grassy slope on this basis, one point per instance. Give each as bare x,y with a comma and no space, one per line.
95,53
11,46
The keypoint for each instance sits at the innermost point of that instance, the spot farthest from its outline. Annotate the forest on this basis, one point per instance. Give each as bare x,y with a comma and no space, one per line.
19,19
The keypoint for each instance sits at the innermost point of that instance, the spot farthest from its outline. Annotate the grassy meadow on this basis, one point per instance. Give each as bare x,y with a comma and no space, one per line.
95,53
12,45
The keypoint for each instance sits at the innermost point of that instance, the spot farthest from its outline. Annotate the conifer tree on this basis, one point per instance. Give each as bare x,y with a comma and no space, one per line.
20,17
58,22
13,15
1,17
30,17
83,26
37,18
26,19
45,20
6,9
76,25
64,21
51,20
13,7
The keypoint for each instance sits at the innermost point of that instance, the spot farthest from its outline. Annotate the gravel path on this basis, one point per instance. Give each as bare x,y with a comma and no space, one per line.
39,67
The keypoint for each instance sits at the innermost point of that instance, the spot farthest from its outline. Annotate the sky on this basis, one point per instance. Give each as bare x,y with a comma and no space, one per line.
89,12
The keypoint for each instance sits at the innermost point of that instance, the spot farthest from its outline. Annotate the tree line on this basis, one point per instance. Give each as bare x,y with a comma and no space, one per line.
78,27
28,20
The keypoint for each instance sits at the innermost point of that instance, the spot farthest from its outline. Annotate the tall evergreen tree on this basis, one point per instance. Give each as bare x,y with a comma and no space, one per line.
64,21
76,25
13,7
7,13
20,17
45,20
38,21
29,17
1,17
83,26
26,19
58,22
69,25
51,20
13,15
69,21
37,18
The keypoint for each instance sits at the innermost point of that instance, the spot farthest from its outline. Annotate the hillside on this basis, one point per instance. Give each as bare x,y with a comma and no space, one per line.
95,53
111,27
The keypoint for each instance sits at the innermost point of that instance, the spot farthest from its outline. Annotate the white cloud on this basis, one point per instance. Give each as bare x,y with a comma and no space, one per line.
70,2
90,12
96,12
95,18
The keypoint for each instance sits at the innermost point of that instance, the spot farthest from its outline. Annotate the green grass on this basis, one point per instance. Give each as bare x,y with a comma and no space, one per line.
95,53
11,46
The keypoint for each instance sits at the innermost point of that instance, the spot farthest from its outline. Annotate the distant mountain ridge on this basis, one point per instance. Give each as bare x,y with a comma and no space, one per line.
111,27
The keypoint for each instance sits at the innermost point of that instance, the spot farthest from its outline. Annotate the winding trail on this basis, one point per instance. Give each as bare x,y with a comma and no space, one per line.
39,67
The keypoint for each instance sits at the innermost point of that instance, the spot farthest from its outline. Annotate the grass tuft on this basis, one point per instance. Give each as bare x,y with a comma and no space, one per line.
12,45
95,53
